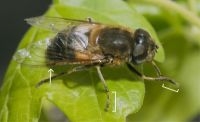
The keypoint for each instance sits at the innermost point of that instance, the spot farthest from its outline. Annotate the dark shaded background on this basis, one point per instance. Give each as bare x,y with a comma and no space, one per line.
13,27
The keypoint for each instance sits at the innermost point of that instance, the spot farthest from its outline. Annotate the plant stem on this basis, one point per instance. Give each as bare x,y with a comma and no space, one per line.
172,6
192,6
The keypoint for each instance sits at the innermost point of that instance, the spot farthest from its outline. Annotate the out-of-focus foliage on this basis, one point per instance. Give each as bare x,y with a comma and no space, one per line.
177,24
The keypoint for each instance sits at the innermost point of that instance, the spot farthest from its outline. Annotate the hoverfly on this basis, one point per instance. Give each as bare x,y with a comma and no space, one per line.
90,44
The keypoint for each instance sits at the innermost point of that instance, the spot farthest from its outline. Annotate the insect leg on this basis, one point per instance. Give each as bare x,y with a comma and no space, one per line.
75,69
159,78
78,68
156,68
105,88
159,74
89,20
47,79
96,63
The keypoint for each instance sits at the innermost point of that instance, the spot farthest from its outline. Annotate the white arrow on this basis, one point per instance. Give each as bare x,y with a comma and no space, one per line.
50,71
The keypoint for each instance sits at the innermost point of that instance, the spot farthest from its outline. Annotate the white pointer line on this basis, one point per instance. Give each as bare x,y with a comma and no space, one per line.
50,71
115,104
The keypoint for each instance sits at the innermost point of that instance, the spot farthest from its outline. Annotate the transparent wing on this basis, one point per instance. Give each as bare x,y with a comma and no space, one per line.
33,55
54,23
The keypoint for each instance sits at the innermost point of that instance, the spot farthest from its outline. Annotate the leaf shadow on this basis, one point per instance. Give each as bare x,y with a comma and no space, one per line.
90,76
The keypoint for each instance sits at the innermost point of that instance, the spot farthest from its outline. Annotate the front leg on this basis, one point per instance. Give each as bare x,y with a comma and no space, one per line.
159,78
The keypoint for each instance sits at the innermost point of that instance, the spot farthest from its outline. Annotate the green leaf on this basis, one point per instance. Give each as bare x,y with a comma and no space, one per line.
80,95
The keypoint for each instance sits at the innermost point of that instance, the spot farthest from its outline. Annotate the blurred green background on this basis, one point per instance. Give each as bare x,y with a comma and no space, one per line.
177,24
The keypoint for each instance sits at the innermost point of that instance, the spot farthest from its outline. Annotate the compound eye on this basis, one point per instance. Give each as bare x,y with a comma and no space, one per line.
140,49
